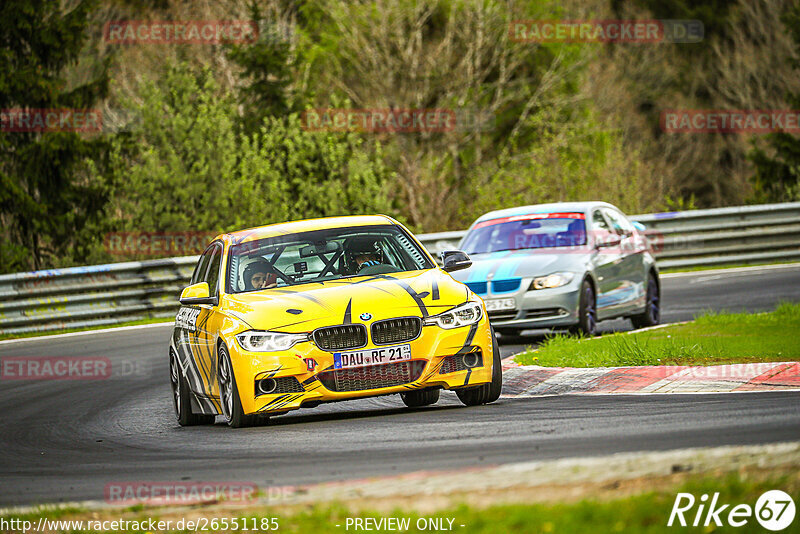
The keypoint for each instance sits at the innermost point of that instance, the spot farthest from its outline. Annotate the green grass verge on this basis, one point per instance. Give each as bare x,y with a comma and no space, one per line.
713,338
646,512
150,320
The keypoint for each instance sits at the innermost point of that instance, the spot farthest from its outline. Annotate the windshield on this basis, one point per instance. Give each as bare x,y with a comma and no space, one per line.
322,256
537,230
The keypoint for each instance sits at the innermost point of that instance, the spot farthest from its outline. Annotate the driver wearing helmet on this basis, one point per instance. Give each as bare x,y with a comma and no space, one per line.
259,275
363,252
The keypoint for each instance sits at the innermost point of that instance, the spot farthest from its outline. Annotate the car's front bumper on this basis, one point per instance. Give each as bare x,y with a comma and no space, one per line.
430,349
540,308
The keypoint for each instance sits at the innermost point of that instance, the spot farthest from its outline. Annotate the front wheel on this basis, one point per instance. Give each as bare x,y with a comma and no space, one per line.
485,393
652,310
420,397
229,393
587,311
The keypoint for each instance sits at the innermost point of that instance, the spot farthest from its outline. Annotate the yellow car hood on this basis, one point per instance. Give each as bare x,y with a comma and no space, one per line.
305,307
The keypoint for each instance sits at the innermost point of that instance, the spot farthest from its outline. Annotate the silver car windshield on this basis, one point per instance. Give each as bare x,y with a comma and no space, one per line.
539,230
322,256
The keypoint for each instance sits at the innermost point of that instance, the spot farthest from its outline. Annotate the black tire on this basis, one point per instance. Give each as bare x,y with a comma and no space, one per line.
420,397
651,315
181,400
587,311
485,393
229,393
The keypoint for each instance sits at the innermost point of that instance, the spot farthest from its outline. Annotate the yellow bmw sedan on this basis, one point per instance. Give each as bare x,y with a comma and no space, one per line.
296,314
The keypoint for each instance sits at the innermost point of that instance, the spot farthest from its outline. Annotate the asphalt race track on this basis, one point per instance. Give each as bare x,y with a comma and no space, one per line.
65,440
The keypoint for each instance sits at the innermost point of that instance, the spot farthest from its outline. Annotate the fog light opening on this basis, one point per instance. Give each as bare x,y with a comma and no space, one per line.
267,385
471,359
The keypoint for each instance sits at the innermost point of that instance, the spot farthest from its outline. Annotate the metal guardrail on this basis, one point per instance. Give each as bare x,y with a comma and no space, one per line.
82,297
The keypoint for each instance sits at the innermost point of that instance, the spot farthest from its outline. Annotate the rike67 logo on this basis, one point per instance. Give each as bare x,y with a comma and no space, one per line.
774,510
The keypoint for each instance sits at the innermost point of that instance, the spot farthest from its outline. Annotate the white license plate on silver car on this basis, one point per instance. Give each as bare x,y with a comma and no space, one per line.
379,356
500,304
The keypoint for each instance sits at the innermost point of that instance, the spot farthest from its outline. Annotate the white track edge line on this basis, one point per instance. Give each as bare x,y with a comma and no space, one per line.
85,332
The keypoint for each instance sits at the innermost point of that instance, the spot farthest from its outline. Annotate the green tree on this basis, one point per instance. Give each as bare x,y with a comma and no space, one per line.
186,167
266,72
777,170
46,196
170,173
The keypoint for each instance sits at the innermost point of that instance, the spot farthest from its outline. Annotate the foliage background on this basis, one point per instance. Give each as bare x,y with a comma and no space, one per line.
209,138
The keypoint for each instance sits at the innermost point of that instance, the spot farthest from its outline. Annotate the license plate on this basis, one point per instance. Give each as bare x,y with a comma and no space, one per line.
380,356
500,304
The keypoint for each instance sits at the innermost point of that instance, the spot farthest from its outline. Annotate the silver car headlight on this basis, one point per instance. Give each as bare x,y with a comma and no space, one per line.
260,341
551,281
463,315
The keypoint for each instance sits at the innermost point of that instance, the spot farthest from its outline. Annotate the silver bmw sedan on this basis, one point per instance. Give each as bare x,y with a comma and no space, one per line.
562,266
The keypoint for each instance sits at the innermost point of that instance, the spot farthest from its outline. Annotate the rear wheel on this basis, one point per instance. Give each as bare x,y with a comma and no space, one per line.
652,310
181,397
420,397
485,393
587,311
229,393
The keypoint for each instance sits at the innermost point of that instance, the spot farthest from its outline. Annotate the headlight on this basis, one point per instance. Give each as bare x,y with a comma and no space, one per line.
463,315
256,341
551,280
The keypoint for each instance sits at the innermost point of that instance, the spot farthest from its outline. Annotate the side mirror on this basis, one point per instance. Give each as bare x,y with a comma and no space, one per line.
455,260
197,294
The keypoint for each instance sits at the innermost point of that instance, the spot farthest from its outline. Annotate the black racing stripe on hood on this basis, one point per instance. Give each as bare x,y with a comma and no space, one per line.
408,289
348,313
299,294
375,277
313,299
287,325
414,295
